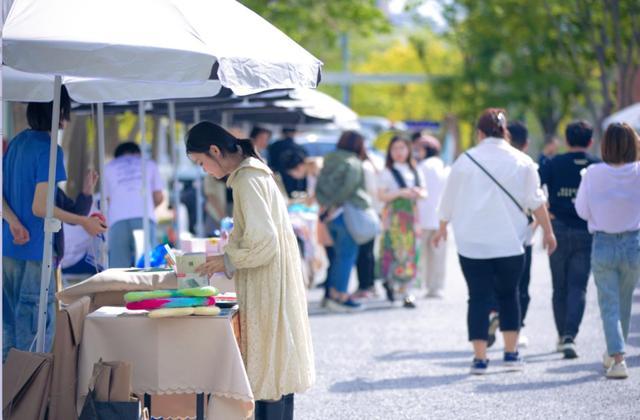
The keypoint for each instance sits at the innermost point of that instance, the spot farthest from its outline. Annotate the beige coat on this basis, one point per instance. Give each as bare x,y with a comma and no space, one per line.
275,335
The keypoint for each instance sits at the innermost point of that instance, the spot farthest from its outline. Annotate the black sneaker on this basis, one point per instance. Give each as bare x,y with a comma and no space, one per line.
568,348
494,324
479,366
388,287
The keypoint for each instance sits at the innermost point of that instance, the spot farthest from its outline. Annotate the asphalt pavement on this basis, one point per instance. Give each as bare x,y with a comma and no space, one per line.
394,363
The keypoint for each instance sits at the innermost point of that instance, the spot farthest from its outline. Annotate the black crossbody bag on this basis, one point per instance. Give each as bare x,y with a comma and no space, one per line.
529,217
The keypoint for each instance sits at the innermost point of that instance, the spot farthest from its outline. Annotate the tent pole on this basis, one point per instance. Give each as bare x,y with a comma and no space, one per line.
104,208
145,186
51,225
174,158
198,185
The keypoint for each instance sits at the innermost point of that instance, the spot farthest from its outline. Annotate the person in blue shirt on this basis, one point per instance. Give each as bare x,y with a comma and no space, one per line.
571,263
25,175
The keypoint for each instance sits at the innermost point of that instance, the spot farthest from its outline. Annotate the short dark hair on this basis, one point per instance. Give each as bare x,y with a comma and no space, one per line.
40,114
256,131
291,159
620,144
579,133
416,136
289,131
127,148
519,134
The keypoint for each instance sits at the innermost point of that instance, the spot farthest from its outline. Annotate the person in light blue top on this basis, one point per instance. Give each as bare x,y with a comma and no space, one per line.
25,175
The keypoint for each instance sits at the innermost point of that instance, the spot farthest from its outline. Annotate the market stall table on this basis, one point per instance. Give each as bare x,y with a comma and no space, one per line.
183,355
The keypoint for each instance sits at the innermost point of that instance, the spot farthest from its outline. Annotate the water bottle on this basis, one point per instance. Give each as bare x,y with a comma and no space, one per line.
226,227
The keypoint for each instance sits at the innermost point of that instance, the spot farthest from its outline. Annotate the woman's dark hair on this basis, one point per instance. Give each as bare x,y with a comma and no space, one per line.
40,114
128,148
352,141
519,134
493,123
579,133
395,139
256,131
620,144
206,134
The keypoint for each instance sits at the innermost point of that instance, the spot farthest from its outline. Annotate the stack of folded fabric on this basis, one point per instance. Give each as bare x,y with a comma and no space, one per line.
174,302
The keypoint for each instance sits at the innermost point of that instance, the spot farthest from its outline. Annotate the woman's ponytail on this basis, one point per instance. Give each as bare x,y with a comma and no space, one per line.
205,134
248,149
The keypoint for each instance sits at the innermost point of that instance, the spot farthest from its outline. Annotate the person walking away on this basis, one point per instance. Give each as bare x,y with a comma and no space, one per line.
549,150
24,202
276,152
433,260
123,188
490,190
260,137
571,263
342,181
401,186
519,138
263,261
609,200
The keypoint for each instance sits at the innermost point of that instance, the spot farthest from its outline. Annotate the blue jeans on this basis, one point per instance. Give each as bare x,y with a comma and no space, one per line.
570,268
345,254
20,301
122,246
616,269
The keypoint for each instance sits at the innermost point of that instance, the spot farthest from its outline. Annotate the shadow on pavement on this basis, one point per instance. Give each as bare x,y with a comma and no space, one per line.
316,310
407,382
535,386
408,355
571,367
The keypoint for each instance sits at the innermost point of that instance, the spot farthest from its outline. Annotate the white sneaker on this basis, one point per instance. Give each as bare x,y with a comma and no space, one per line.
607,361
618,371
523,341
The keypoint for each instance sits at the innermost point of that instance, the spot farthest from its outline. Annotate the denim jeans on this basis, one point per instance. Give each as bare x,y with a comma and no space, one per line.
122,246
20,301
366,265
488,280
345,254
570,267
616,269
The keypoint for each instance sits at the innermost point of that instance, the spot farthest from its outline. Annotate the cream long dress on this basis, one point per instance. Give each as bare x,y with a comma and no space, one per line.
275,335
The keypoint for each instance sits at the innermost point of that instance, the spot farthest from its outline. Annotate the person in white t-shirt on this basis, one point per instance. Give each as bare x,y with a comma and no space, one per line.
433,260
489,190
123,192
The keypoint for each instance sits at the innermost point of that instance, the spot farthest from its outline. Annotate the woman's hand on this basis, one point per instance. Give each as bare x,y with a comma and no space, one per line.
214,264
441,235
90,181
407,193
20,233
93,225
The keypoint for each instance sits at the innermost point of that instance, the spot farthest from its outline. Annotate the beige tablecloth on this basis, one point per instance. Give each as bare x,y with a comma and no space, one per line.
171,355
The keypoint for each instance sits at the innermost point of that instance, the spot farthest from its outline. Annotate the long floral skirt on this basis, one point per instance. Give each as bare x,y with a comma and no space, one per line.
398,256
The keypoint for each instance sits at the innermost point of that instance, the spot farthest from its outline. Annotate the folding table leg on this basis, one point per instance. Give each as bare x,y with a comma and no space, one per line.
147,402
200,407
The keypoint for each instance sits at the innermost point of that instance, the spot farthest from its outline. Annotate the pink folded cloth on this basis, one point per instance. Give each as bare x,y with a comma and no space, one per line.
176,302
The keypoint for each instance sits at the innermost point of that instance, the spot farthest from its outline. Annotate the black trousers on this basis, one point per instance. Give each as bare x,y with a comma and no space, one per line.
524,284
366,265
275,410
488,279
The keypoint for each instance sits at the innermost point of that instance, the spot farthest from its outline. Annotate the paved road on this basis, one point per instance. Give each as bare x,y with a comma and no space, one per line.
394,363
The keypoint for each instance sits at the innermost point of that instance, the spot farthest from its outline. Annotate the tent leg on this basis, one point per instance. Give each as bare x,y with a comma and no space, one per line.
145,186
50,224
104,249
176,182
198,185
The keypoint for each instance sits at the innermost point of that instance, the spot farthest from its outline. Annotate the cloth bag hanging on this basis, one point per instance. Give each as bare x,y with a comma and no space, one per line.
26,382
109,396
362,224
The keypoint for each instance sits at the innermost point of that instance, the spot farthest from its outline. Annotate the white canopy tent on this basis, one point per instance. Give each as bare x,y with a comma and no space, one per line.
155,40
629,115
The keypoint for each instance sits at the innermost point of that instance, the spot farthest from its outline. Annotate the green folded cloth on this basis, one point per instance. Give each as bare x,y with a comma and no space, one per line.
170,293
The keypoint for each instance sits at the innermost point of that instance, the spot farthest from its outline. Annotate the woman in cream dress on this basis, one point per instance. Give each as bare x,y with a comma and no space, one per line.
262,257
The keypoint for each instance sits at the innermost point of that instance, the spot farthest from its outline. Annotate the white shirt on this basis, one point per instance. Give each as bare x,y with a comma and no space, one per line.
609,198
486,223
123,187
435,175
371,184
387,182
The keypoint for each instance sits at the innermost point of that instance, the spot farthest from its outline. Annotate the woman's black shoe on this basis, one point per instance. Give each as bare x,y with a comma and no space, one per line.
409,302
388,287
